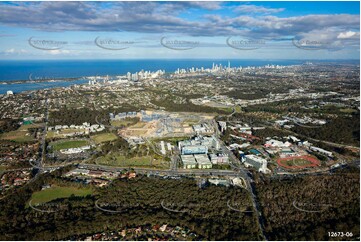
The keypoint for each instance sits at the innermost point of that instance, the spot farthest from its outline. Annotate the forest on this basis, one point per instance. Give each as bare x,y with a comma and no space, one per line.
170,106
307,208
285,202
7,125
341,130
141,201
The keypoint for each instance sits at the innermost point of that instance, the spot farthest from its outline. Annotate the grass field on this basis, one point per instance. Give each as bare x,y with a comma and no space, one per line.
100,138
122,161
139,125
348,110
124,122
172,140
69,144
55,192
20,135
297,162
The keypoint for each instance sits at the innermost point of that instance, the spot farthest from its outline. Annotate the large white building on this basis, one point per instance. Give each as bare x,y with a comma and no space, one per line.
189,162
219,159
199,143
257,162
322,151
203,162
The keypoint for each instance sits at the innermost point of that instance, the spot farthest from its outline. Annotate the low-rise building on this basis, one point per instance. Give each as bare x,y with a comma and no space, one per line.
189,162
203,162
322,151
219,159
194,149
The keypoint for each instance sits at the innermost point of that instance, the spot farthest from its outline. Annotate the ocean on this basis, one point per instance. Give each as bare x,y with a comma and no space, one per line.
57,69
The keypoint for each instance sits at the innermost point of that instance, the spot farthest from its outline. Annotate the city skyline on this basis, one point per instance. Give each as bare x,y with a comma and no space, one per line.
179,30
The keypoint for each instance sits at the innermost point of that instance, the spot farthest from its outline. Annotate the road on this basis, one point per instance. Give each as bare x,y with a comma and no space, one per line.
235,164
210,172
39,166
317,140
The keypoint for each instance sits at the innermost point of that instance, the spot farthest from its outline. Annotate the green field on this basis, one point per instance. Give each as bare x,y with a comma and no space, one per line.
55,192
172,140
139,125
69,144
122,161
100,138
17,135
297,162
348,110
21,134
124,122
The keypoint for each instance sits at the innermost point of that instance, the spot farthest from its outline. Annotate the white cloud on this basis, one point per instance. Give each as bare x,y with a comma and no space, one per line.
346,35
251,9
15,51
58,52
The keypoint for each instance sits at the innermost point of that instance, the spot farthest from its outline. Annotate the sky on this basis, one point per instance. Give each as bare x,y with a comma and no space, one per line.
179,30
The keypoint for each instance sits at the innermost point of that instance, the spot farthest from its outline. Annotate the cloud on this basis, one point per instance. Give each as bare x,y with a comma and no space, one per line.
206,5
167,18
252,9
346,35
58,52
15,51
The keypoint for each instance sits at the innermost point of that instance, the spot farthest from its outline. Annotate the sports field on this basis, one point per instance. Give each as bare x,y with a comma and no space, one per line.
67,144
55,192
298,162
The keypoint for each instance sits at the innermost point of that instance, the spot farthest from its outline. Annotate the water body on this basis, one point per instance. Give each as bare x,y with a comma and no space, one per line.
57,69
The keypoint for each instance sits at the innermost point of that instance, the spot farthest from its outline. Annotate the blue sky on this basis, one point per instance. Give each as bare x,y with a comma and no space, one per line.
168,30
